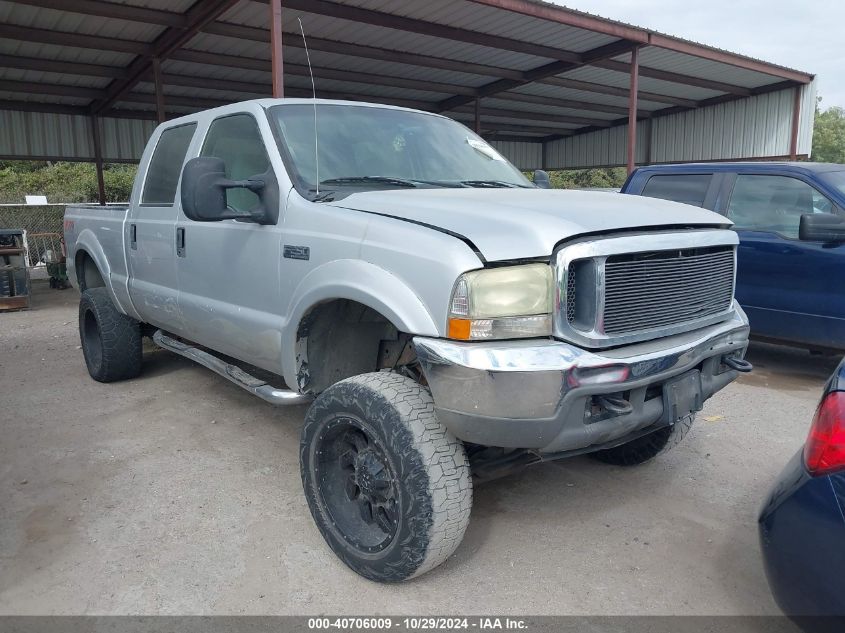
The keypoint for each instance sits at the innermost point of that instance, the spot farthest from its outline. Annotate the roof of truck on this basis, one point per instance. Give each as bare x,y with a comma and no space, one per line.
749,164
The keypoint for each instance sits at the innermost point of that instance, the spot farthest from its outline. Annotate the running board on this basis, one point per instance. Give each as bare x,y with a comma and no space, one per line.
254,385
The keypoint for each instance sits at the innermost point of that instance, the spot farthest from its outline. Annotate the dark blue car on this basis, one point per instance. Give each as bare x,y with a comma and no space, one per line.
802,523
791,223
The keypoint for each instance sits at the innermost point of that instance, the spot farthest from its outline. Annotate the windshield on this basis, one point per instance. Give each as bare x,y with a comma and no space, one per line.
835,179
377,148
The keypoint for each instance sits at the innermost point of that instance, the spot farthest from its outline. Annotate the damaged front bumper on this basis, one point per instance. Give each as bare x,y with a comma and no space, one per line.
552,396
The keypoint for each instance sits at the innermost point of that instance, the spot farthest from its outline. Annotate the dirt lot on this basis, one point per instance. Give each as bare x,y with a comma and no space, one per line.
180,493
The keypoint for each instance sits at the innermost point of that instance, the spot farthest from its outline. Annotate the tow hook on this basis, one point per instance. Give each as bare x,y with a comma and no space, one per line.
737,364
615,404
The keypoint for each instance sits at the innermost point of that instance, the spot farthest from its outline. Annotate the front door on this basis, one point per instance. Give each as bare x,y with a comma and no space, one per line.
229,270
153,284
790,288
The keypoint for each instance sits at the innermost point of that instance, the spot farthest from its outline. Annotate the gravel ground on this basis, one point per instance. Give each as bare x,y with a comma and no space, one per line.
179,493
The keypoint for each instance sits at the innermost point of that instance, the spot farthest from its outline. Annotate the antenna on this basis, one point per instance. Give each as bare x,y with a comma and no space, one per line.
314,96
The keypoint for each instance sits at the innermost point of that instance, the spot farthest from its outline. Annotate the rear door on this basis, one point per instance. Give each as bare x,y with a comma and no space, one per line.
791,289
153,284
229,271
695,187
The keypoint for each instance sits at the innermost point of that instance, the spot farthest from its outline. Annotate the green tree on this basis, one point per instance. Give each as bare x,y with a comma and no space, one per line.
829,135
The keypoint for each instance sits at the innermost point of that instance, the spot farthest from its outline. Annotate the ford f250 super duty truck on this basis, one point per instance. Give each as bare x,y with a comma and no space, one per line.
447,317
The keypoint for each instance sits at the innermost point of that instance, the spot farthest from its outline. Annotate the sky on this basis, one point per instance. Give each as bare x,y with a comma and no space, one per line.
806,36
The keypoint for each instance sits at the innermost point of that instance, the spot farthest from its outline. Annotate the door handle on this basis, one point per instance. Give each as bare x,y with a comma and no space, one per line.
180,241
133,237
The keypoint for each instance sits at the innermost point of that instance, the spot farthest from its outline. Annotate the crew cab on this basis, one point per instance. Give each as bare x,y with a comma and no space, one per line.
445,317
790,218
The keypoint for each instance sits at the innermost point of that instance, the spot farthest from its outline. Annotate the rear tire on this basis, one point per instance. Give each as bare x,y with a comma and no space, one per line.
647,447
388,486
111,341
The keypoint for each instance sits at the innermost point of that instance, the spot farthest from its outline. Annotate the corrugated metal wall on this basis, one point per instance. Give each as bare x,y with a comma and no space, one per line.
38,134
746,128
754,127
526,156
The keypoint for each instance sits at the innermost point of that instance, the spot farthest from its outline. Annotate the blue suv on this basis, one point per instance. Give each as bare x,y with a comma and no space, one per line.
791,223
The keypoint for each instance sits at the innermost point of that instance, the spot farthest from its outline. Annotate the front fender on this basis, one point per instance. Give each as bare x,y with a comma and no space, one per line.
359,281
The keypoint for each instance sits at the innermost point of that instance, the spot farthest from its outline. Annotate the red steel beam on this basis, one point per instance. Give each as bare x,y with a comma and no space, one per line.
677,78
95,42
112,10
401,23
98,158
158,83
201,13
537,116
796,124
632,110
569,18
276,52
547,70
615,91
58,66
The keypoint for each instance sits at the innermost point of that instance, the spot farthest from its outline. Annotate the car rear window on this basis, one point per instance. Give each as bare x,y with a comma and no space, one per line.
166,165
686,188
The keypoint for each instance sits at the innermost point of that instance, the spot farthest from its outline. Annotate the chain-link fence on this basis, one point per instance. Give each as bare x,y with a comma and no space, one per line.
32,218
43,226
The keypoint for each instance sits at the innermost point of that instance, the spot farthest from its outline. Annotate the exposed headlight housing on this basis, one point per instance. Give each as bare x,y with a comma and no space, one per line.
498,303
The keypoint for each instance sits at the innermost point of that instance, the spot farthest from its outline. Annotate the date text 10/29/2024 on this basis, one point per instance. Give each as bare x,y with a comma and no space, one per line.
416,623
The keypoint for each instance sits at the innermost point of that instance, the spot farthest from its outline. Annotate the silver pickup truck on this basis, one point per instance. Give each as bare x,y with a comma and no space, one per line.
447,318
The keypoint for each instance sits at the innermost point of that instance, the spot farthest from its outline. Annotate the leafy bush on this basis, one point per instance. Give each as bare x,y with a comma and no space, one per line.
581,178
63,182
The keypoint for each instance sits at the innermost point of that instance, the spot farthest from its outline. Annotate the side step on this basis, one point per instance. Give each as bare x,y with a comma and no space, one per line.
254,385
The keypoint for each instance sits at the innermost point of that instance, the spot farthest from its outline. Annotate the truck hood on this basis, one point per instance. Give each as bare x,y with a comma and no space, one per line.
508,224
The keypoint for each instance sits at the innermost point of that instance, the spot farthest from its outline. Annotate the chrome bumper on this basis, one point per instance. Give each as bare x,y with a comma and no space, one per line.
539,394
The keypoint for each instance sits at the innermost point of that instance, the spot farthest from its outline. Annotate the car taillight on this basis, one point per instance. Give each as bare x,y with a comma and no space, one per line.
824,451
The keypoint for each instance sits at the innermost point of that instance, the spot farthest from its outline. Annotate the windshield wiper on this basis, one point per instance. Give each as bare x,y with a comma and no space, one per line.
492,184
385,180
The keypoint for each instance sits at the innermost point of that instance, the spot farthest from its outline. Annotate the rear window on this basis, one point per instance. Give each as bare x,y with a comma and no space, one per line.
166,165
686,188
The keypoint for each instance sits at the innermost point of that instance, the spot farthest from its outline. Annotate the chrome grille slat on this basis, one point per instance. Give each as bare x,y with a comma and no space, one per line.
643,291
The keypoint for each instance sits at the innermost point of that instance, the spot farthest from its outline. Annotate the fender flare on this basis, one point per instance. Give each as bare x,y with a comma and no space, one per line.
88,243
359,281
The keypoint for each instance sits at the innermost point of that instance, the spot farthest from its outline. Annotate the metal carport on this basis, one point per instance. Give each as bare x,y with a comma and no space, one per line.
551,87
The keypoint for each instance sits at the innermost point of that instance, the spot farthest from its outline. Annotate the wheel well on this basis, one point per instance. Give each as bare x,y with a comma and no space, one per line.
341,338
87,273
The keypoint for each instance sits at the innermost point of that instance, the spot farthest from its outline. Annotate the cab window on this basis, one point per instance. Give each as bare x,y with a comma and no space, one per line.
686,188
166,165
773,203
237,140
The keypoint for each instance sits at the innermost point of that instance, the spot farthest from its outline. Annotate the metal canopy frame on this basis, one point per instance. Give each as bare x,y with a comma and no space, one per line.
559,72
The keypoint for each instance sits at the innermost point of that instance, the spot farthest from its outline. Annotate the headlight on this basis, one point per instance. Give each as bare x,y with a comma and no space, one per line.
509,302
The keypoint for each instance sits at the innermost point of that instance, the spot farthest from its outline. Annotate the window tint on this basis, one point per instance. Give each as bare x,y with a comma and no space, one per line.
237,140
686,188
773,203
166,165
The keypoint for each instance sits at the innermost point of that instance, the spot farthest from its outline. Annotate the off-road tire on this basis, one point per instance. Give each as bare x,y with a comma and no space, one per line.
647,447
427,464
111,341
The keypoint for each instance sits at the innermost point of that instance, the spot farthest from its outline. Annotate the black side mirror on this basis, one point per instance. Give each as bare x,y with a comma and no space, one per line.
822,227
204,186
541,179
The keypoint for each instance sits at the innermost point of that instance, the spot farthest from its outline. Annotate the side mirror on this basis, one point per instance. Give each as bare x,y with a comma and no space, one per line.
204,186
822,227
541,179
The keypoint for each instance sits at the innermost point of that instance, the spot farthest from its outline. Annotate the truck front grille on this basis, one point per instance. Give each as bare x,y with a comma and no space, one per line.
660,288
629,288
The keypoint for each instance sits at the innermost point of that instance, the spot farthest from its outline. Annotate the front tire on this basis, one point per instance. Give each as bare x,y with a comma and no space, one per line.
111,341
647,447
387,484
